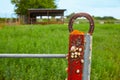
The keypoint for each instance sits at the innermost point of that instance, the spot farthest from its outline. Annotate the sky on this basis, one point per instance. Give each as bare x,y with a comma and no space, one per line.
93,7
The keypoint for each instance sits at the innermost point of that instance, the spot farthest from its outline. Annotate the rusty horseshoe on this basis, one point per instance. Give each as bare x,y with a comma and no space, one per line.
87,16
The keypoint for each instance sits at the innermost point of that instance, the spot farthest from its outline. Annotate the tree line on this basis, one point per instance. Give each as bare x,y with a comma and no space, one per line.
105,18
96,17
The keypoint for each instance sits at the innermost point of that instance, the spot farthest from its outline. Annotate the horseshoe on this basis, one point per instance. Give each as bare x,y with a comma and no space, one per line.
87,16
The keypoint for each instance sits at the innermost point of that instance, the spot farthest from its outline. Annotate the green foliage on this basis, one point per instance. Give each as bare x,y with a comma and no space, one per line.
54,39
23,5
2,20
70,15
105,18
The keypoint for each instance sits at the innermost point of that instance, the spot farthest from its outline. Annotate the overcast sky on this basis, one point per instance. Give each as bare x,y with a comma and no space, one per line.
93,7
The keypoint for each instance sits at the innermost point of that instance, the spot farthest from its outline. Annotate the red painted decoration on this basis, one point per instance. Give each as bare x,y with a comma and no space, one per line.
75,56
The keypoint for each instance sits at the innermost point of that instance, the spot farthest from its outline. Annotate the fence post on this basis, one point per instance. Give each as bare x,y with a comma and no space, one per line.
80,47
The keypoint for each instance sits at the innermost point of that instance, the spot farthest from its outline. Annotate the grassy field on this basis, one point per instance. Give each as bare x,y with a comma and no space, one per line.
54,39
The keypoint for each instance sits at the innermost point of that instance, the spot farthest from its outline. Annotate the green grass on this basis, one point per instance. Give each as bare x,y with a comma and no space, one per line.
54,39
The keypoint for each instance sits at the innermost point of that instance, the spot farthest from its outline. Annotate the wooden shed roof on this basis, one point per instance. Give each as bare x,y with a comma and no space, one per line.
46,12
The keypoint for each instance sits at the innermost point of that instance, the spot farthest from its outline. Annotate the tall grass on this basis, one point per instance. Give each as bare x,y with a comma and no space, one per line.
106,52
54,39
34,39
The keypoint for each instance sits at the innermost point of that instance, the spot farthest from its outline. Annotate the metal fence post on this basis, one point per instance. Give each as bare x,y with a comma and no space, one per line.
80,47
87,57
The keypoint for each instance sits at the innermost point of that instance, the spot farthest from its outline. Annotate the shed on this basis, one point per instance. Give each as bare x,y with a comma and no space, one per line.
49,13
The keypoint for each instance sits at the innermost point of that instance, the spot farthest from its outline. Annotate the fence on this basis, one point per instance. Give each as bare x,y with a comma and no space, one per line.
17,55
79,61
87,56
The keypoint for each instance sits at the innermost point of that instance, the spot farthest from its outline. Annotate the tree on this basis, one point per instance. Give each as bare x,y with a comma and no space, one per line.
108,18
105,18
21,6
70,15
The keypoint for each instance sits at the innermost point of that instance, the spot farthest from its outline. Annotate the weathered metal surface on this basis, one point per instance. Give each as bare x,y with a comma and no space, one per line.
87,57
79,66
32,55
75,57
70,25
